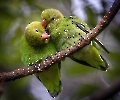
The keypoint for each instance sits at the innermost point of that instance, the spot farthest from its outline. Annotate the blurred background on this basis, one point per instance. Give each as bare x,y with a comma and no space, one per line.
79,82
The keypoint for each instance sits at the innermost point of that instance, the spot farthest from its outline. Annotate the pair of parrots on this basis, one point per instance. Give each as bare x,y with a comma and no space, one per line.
54,33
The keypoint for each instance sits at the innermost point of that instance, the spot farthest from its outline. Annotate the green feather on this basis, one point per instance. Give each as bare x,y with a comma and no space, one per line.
66,31
34,49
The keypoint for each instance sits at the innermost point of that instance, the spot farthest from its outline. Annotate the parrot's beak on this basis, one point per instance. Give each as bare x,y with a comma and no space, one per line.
44,23
45,36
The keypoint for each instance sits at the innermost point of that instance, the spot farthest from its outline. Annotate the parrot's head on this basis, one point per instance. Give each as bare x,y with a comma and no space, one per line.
50,15
35,34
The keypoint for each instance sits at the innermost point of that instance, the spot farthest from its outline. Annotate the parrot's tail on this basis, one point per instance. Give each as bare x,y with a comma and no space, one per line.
104,68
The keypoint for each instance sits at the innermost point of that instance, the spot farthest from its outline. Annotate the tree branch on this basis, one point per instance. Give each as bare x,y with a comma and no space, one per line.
41,66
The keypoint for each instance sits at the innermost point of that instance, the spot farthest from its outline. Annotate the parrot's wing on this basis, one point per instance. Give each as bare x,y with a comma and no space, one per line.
106,64
90,56
87,64
80,24
80,61
51,79
26,52
85,28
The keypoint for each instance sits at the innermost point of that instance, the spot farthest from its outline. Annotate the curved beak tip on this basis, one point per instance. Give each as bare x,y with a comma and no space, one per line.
45,36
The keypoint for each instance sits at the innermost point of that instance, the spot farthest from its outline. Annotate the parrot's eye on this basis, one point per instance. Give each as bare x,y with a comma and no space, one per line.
53,18
36,30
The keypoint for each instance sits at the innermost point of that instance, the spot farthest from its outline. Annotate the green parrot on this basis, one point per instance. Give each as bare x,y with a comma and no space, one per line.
65,31
36,46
